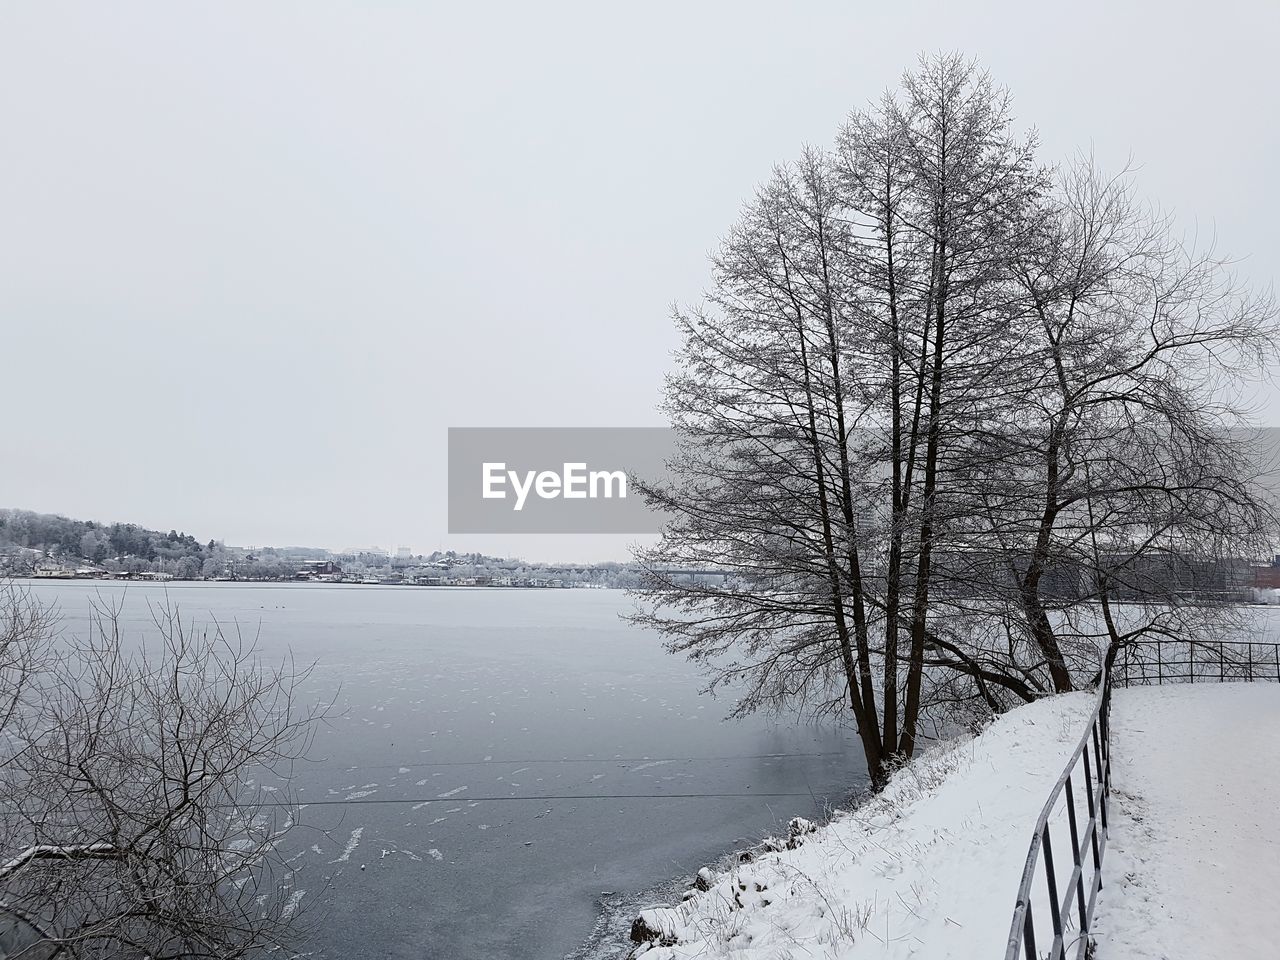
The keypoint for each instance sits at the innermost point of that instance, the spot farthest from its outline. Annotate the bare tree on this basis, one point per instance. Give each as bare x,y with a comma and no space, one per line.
1122,474
858,309
760,403
937,411
128,816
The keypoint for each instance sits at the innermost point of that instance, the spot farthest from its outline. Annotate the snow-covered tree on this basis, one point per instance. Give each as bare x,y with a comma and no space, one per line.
939,404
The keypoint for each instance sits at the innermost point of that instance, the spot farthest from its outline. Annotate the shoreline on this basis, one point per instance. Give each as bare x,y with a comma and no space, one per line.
893,876
71,578
617,912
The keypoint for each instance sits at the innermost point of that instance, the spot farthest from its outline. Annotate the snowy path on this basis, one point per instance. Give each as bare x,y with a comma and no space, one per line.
1192,870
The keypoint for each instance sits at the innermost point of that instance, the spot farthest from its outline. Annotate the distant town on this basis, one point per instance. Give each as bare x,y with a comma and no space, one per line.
50,546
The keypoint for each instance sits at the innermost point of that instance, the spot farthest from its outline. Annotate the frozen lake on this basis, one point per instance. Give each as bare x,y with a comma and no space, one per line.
505,764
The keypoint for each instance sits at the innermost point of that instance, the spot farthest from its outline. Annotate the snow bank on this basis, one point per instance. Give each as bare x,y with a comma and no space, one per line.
1193,861
929,868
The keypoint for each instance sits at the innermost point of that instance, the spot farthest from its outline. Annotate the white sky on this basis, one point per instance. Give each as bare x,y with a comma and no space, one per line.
256,258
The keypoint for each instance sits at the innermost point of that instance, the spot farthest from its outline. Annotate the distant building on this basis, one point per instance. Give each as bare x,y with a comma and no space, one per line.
1267,578
318,569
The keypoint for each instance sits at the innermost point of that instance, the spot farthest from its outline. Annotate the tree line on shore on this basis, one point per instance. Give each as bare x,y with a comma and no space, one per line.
31,541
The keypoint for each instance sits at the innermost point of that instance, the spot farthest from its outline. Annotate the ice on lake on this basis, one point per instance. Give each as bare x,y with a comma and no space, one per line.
492,742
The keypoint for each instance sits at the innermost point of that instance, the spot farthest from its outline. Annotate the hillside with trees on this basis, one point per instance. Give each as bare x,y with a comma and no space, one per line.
27,537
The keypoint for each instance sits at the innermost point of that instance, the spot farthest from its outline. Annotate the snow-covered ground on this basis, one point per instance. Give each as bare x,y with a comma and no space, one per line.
928,869
1192,869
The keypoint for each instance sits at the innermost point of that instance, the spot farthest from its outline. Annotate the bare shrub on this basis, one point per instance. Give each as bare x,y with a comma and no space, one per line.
128,816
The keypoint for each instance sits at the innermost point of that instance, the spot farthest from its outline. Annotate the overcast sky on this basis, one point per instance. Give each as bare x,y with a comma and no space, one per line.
255,258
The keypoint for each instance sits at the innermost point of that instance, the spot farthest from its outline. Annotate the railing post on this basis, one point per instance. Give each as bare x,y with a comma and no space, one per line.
1075,853
1093,811
1055,913
1029,932
1104,758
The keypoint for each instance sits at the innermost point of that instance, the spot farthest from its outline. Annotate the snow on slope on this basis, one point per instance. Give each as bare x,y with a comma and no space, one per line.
928,869
1193,864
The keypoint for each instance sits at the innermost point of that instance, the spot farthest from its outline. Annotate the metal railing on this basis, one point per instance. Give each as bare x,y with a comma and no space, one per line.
1069,896
1064,898
1196,661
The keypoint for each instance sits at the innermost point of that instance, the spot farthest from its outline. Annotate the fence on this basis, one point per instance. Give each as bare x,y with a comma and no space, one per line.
1070,908
1063,896
1195,661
